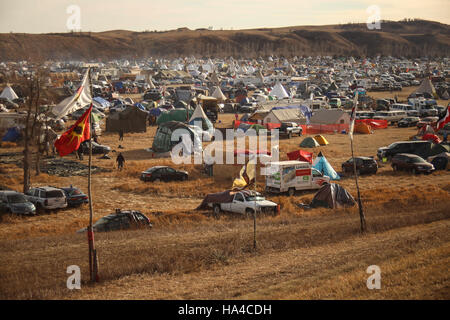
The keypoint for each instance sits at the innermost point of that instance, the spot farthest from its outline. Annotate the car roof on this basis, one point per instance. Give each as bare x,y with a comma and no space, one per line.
9,192
156,168
407,155
47,188
363,158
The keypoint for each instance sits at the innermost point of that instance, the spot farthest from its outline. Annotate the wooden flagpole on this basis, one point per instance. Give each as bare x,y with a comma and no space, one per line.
362,217
254,214
92,256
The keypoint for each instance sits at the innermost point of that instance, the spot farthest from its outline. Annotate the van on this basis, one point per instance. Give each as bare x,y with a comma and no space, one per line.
289,176
390,116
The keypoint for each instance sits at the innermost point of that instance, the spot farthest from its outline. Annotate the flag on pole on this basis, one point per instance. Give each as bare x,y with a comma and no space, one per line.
353,115
246,176
78,100
440,124
72,138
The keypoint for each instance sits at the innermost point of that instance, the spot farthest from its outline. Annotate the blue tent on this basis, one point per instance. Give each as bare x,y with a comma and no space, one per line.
321,164
102,103
140,106
12,135
157,111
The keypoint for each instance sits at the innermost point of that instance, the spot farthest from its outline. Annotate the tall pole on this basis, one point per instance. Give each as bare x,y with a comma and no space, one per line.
91,243
254,214
362,218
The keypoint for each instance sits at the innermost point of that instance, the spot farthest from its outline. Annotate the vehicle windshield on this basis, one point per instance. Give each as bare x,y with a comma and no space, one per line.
392,145
418,160
75,192
102,221
54,194
254,198
16,198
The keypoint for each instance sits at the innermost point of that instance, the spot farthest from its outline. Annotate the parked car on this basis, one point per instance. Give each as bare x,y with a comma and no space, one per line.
363,165
16,203
411,162
408,122
47,198
96,148
163,173
120,220
290,128
75,197
427,120
413,147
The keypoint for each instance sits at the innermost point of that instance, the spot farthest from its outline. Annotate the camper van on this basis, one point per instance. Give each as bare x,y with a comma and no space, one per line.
289,176
390,116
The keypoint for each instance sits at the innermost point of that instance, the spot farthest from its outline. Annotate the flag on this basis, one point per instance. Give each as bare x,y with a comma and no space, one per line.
246,176
72,138
353,115
440,124
80,99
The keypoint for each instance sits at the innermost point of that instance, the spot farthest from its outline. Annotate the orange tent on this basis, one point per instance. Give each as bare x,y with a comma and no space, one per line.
363,128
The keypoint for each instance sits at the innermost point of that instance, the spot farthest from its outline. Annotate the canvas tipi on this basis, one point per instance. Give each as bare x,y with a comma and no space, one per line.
278,91
8,93
321,163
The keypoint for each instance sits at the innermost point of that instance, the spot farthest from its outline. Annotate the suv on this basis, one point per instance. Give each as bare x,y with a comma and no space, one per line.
290,128
47,198
363,165
15,202
411,162
413,147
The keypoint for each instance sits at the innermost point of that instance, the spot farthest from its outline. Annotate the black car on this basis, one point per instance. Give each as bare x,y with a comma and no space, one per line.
419,148
163,173
96,148
75,197
363,165
411,162
120,220
408,122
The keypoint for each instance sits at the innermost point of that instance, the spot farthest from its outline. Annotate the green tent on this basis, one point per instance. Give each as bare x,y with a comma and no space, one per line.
180,115
257,127
309,142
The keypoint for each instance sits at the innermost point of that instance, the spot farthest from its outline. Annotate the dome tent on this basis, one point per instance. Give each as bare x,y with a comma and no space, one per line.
309,142
332,195
321,164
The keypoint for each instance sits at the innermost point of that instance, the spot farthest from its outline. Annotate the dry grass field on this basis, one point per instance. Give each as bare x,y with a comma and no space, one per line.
314,254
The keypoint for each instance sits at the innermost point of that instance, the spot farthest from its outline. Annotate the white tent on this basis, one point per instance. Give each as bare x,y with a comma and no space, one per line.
278,91
218,94
8,93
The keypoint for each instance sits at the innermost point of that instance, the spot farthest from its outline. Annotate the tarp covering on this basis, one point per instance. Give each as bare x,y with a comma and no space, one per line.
180,115
332,195
301,155
431,137
321,164
12,135
363,128
132,119
374,124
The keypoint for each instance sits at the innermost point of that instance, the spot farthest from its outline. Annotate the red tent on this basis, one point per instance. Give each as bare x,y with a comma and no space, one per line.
300,155
431,137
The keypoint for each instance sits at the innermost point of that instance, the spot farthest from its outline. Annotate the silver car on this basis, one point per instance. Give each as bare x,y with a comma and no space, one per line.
16,203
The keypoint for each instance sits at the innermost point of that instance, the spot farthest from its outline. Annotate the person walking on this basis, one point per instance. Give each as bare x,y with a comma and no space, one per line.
121,135
120,161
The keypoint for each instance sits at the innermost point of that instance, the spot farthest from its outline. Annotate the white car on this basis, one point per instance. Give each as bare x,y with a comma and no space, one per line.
246,202
47,198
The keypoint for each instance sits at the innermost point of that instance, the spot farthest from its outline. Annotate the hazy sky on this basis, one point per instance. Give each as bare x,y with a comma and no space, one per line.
42,16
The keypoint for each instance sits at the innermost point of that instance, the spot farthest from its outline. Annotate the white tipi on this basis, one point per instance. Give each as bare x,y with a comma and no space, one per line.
9,93
278,91
218,94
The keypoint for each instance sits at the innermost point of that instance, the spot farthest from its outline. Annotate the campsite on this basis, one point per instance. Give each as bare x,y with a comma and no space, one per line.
251,164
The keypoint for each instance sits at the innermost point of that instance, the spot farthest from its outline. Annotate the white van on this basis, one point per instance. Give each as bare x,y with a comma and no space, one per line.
289,176
390,116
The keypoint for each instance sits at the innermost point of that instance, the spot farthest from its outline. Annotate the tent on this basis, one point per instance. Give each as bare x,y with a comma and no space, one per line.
427,87
132,119
218,94
278,91
9,93
163,137
301,155
180,115
200,116
156,112
431,137
332,195
364,128
321,164
309,142
321,140
101,103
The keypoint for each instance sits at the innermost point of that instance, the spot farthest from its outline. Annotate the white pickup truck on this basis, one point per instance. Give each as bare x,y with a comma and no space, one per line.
245,202
289,176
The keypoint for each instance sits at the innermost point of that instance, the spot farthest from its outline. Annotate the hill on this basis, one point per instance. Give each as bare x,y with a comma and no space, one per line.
403,38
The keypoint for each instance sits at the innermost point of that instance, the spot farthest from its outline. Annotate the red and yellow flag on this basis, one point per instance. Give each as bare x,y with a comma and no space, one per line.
72,138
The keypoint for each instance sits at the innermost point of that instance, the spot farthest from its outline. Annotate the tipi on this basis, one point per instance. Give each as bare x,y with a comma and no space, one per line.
8,93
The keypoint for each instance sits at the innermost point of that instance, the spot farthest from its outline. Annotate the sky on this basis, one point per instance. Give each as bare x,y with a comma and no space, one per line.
45,16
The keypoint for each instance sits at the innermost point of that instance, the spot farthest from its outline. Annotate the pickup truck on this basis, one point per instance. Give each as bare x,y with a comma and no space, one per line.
290,128
243,202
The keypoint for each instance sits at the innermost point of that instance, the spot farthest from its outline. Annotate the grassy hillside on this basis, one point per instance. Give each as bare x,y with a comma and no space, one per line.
410,39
